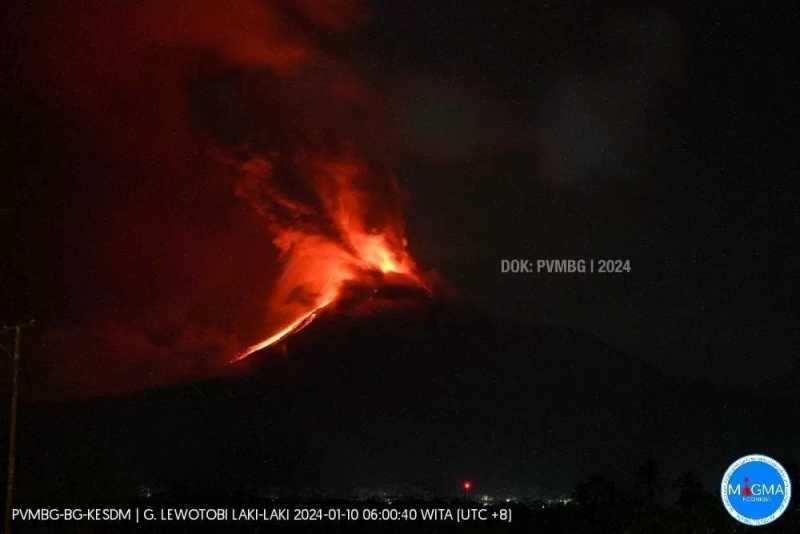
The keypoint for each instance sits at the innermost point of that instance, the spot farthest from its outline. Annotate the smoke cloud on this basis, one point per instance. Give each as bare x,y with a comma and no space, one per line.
201,156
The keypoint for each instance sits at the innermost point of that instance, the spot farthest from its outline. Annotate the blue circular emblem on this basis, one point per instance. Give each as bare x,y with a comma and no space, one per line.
756,490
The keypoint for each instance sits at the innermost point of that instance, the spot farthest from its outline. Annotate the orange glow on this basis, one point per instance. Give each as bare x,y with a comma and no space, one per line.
300,323
354,235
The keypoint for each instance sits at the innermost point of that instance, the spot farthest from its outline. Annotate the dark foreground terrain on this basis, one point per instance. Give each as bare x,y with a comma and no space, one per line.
409,404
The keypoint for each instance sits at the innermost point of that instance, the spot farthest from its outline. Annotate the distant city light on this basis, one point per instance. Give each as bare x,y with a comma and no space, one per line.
467,485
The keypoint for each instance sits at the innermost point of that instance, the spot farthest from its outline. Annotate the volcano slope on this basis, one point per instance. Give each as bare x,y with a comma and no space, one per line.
412,400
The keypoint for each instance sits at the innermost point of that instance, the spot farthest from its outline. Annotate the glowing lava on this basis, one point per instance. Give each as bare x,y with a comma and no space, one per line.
296,326
352,235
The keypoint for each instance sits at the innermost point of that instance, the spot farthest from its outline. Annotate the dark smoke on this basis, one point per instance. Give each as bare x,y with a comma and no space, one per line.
151,269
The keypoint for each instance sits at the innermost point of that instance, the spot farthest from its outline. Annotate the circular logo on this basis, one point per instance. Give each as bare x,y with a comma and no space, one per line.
756,490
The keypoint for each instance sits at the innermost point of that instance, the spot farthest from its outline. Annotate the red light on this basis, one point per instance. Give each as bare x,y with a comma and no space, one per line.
467,485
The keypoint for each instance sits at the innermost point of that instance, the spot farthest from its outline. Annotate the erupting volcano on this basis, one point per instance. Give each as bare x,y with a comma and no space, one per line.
239,163
349,235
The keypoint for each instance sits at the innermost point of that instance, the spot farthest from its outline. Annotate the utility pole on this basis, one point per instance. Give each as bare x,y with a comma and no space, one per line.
466,486
12,432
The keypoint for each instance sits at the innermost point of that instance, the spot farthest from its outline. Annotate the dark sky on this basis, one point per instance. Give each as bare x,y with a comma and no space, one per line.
658,133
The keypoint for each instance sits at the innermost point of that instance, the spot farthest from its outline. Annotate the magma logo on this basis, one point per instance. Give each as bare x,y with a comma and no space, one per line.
756,490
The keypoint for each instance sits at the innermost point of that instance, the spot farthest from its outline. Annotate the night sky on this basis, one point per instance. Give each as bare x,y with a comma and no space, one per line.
658,133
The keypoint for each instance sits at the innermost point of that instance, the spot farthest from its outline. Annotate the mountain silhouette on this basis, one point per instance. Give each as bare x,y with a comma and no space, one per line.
414,399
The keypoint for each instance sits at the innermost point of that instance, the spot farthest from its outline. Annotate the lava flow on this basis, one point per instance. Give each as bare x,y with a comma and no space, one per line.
300,323
351,235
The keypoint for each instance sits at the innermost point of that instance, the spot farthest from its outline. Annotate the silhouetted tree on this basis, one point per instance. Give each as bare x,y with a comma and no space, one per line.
595,492
691,491
649,476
